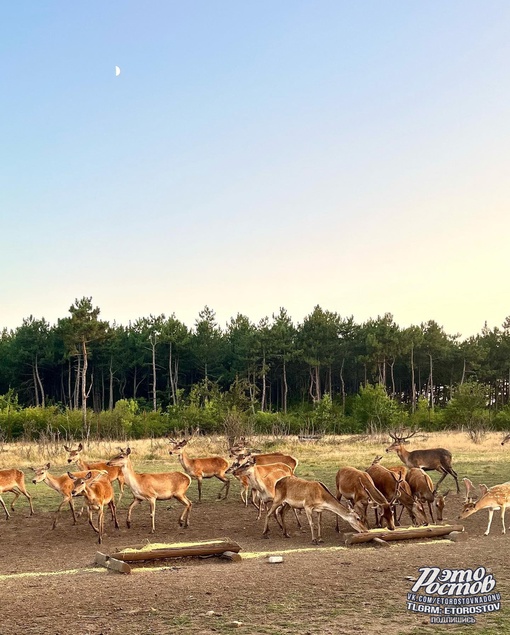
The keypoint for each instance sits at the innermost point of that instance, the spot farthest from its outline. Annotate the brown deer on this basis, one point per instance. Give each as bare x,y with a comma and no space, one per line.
440,504
313,497
114,473
497,497
152,487
61,484
359,488
98,492
262,479
386,481
422,488
209,467
13,481
437,459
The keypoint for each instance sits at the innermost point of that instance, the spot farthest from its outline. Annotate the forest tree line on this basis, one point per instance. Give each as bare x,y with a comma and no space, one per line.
83,363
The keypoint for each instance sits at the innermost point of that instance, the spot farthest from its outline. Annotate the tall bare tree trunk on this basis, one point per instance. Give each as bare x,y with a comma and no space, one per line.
413,382
342,383
84,385
285,387
431,383
110,400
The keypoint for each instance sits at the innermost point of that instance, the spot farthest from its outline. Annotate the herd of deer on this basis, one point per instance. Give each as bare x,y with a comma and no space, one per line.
269,481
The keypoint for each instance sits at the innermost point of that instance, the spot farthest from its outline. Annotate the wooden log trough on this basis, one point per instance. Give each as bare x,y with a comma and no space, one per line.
380,536
118,561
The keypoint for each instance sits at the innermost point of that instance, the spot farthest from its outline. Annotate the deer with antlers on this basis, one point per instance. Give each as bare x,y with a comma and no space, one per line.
437,459
497,497
312,496
386,481
208,467
114,473
98,492
152,487
13,481
360,490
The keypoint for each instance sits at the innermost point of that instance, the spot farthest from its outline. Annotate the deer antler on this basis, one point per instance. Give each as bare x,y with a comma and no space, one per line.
376,460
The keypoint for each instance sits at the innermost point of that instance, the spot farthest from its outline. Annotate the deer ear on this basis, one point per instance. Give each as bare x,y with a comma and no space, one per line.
71,476
128,450
80,447
47,466
66,448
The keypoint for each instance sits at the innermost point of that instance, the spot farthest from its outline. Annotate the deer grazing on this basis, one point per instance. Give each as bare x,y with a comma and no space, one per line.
152,487
98,492
209,467
422,488
437,459
359,489
497,497
61,484
13,481
114,473
313,497
386,481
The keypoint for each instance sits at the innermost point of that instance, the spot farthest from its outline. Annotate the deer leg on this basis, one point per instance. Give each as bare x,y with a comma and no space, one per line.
71,505
7,515
226,484
100,523
297,518
309,515
444,474
453,473
113,510
503,510
491,512
16,496
431,513
271,512
199,481
120,481
319,518
283,509
91,522
152,503
183,520
136,501
23,490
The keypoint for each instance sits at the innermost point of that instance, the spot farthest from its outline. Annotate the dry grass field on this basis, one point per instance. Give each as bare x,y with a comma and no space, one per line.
50,585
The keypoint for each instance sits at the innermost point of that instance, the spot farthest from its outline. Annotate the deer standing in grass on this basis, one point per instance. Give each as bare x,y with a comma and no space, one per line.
98,492
312,496
207,467
152,487
13,481
437,459
61,484
497,497
114,473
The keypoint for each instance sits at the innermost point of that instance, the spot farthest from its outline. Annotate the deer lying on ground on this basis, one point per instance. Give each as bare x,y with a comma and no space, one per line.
114,473
394,488
239,451
359,489
313,497
61,484
98,492
497,497
152,487
437,459
208,467
13,481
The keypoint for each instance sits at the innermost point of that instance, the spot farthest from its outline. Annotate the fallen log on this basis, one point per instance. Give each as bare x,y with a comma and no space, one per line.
402,534
183,550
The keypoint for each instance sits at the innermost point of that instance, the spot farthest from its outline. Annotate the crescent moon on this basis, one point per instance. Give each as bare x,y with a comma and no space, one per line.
117,71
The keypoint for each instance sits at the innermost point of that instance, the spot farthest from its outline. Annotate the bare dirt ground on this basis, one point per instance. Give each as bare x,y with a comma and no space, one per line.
49,583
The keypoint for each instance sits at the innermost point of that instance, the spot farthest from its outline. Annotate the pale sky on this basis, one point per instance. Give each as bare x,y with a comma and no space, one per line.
256,155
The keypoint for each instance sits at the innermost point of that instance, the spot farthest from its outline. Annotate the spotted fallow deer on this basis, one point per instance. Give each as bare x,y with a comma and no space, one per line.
205,467
13,481
312,496
497,497
437,459
98,492
114,473
152,487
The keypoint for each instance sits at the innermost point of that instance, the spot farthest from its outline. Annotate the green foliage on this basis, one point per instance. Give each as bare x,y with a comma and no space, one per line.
467,409
373,410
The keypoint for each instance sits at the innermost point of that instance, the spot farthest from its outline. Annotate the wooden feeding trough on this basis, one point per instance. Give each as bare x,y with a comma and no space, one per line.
118,561
382,536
